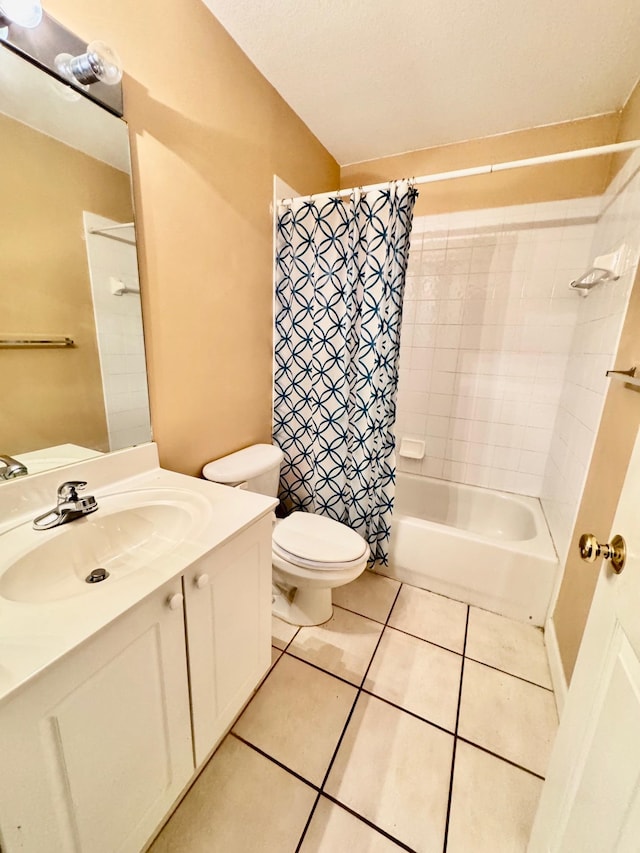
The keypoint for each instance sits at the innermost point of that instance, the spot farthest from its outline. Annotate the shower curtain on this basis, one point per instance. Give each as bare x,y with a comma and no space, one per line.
340,274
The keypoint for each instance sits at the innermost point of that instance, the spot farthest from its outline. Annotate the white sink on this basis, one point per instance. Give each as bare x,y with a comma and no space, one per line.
129,531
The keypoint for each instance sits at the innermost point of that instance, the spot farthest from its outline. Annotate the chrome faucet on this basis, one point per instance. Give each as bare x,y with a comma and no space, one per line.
68,508
12,468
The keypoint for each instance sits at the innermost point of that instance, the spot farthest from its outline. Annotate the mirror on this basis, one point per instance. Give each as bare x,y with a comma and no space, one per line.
72,362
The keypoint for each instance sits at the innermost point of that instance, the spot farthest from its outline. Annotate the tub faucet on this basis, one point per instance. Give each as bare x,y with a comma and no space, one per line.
12,467
68,508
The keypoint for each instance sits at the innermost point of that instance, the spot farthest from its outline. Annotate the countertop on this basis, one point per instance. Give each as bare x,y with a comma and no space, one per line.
34,635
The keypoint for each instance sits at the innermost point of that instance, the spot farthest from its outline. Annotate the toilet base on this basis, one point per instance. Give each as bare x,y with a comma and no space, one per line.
302,606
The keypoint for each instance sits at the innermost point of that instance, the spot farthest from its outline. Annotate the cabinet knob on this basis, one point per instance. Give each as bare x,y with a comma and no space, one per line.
174,602
202,580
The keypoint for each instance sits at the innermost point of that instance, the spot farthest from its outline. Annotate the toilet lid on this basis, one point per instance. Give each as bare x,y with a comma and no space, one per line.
320,540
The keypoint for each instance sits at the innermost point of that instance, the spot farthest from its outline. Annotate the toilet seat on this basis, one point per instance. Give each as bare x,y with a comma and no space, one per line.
310,564
318,543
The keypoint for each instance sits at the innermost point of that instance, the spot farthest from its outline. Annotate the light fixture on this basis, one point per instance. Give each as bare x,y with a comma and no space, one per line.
24,13
99,64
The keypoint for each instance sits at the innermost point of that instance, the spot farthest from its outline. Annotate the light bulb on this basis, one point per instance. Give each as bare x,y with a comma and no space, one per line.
24,13
105,62
99,64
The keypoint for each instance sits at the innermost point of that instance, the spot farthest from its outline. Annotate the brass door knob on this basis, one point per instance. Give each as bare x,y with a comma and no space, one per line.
591,549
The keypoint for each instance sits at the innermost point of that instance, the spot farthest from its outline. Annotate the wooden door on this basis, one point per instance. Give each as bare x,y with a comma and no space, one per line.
590,801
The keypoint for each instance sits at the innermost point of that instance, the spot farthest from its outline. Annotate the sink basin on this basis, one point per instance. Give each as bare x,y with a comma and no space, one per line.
129,531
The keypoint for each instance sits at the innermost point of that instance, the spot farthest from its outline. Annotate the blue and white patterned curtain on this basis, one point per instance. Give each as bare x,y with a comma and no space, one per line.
339,286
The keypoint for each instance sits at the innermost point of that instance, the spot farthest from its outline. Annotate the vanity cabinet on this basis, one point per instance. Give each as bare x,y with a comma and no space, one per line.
100,744
228,617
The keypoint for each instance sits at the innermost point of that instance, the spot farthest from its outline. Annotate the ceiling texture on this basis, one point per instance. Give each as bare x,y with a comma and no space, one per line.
372,79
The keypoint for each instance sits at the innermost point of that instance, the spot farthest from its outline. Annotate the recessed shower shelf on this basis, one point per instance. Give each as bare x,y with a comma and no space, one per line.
627,376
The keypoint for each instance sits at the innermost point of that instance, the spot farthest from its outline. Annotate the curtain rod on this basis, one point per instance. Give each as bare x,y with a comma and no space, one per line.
483,170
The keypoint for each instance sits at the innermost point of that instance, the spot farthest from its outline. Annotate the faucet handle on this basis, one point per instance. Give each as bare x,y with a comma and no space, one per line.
68,491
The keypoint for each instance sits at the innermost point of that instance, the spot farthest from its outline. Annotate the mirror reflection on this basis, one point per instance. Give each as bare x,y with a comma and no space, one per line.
71,343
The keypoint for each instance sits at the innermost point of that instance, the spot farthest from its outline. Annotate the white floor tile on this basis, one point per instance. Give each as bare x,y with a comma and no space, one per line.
418,676
370,595
431,617
333,829
343,646
297,717
508,645
493,804
281,633
393,769
241,801
508,716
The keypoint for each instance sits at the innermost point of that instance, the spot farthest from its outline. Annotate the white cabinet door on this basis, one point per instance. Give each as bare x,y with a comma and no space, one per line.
590,800
95,751
228,611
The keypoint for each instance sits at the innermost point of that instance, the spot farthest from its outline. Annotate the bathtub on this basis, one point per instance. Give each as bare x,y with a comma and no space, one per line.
483,547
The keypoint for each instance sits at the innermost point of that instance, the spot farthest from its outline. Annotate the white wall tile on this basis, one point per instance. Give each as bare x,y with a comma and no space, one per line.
597,327
502,359
487,331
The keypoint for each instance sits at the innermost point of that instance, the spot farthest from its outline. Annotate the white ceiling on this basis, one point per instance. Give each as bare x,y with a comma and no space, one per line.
372,78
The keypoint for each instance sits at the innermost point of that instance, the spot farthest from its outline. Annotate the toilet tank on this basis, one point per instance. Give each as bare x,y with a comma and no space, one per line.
256,467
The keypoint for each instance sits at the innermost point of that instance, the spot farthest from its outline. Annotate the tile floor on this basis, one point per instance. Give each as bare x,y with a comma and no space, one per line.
407,722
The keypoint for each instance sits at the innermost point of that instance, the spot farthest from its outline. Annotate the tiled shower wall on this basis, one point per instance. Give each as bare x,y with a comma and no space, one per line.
120,336
487,329
593,347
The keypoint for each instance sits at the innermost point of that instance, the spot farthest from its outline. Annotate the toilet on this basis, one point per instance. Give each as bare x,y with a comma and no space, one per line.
310,554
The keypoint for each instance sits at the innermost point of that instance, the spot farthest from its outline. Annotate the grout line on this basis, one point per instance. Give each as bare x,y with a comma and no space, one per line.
325,671
386,834
360,687
500,757
364,616
386,625
295,634
346,725
308,822
402,631
506,672
362,690
274,760
326,775
455,736
422,639
406,711
292,638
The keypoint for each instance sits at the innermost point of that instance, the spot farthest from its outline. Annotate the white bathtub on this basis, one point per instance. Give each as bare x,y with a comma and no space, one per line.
486,548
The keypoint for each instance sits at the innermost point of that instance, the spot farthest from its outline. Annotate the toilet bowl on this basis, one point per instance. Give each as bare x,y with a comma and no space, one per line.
311,554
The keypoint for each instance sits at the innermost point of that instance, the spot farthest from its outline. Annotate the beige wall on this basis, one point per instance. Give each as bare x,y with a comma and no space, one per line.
208,133
614,443
51,396
573,179
629,127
